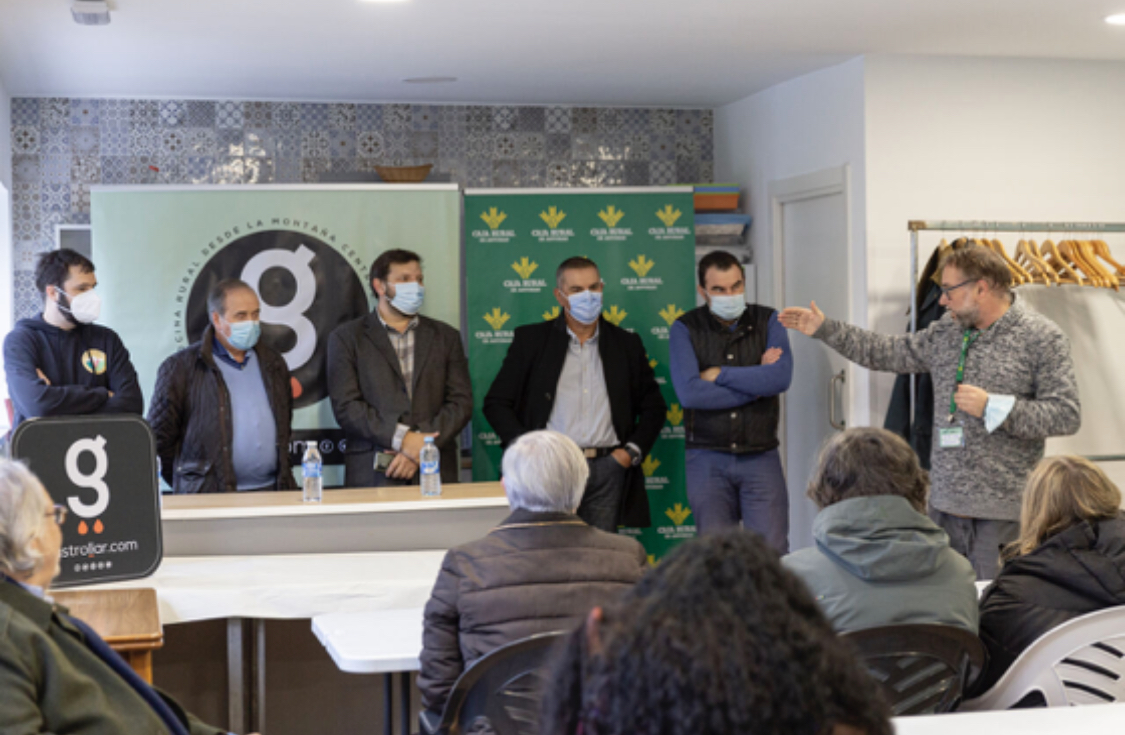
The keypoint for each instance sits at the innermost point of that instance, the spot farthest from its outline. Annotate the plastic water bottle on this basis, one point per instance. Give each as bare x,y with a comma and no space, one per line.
311,467
430,458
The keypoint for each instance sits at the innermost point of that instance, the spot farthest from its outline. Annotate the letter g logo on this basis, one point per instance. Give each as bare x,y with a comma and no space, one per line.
95,481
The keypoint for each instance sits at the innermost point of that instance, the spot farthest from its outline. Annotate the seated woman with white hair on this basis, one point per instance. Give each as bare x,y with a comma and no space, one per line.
541,570
56,674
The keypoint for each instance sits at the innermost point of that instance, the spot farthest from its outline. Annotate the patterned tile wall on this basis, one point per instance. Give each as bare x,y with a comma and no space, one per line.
62,146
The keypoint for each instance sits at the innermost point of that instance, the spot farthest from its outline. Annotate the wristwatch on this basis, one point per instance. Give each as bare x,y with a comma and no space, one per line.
634,454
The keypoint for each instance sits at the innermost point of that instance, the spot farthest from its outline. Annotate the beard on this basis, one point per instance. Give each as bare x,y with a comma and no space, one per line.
966,318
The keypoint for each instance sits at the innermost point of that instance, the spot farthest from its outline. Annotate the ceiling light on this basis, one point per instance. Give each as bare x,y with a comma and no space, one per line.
90,12
430,80
385,1
1116,20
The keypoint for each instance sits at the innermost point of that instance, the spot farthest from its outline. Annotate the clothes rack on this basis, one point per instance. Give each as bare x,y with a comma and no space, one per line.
986,226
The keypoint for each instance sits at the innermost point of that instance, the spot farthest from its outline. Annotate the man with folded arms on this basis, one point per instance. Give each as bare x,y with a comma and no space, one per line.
60,363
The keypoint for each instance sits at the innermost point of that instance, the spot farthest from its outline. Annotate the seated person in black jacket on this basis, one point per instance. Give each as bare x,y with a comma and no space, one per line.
718,639
1069,560
56,674
60,363
541,570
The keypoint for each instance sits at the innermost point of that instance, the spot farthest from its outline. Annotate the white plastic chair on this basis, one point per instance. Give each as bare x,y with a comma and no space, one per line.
1080,662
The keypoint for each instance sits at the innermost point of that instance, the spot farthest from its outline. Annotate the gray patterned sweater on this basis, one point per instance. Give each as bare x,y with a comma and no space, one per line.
1023,354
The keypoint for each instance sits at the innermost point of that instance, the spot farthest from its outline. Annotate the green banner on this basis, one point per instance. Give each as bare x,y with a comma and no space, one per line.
305,250
644,244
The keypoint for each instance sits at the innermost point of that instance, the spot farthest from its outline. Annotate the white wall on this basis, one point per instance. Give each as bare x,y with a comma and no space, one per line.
805,125
993,139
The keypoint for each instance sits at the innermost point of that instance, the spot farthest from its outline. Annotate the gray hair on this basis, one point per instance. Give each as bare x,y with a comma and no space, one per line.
866,462
217,298
22,510
545,471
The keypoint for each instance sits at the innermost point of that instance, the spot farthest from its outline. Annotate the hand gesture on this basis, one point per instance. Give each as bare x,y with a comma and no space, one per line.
971,399
412,443
805,321
401,467
771,356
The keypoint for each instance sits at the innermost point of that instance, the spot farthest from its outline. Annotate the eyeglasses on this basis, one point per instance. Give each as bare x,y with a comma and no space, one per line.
58,512
946,290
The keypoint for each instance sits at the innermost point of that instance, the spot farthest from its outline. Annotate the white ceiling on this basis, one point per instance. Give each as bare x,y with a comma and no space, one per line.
609,52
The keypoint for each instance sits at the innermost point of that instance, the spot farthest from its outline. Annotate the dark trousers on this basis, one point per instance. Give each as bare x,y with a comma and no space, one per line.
605,488
977,539
724,489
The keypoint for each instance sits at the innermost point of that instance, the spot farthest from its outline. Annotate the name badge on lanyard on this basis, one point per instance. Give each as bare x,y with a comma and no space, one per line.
953,437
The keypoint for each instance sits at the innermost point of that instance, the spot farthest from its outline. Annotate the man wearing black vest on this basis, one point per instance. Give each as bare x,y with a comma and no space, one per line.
730,361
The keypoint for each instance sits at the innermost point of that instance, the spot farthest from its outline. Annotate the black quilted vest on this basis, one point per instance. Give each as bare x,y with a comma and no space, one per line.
751,427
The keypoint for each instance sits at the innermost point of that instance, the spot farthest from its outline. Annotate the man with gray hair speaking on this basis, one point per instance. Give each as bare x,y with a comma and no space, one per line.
541,570
1003,383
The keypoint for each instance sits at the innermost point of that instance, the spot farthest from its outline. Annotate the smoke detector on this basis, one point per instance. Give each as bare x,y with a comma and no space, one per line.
90,12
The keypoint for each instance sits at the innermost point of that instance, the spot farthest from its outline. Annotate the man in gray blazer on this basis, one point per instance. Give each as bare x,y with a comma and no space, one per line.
396,377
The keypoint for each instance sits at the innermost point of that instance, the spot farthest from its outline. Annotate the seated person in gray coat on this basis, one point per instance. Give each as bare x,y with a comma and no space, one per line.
879,560
541,570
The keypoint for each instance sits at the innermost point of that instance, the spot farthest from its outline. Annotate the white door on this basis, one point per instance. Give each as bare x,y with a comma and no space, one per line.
810,220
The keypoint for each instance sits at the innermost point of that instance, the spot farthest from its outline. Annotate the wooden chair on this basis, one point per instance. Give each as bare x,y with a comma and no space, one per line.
128,620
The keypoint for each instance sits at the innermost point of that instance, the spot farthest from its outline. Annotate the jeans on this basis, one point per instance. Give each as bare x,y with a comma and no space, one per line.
605,489
725,488
977,539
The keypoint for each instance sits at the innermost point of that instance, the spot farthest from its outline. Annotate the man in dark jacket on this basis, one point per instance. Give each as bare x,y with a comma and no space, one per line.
542,569
730,362
590,380
396,377
60,363
222,407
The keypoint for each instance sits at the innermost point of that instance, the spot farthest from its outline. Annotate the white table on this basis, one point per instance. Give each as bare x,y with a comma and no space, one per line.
383,642
257,588
1097,719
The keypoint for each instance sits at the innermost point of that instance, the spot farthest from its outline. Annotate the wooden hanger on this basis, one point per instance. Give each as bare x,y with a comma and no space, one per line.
1109,280
1027,255
1071,251
1020,275
1101,249
1051,254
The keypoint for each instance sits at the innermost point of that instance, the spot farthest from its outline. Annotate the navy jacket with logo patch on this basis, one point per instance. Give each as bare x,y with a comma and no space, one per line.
78,385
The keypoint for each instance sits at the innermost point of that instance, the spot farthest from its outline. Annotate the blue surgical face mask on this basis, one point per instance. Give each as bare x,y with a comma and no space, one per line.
585,306
728,308
244,335
408,297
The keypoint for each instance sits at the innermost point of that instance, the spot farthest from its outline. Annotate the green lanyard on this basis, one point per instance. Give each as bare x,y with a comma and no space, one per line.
966,342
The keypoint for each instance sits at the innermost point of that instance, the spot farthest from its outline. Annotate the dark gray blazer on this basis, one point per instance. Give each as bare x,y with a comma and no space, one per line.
369,395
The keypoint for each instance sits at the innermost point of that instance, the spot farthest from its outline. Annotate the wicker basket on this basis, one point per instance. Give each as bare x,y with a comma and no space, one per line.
404,174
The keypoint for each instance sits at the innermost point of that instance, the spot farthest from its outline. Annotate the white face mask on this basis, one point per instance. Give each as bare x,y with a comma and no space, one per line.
84,308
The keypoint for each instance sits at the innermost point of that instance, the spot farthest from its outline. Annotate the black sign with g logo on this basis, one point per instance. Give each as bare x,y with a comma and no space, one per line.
102,469
307,289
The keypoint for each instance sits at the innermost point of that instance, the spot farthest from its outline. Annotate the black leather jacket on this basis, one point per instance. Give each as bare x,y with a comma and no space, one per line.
190,415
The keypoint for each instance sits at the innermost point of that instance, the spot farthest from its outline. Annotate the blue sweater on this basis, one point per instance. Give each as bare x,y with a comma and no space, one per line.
84,365
735,386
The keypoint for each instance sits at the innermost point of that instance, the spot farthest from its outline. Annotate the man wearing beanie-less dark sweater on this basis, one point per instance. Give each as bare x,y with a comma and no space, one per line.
60,363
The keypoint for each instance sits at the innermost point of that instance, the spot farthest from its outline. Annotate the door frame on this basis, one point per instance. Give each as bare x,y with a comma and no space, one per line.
826,182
